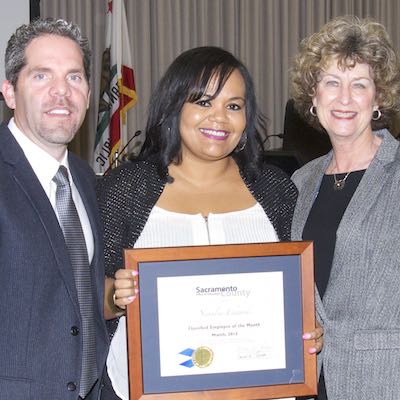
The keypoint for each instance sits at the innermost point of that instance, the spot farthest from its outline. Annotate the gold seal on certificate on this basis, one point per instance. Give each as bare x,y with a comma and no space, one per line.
202,357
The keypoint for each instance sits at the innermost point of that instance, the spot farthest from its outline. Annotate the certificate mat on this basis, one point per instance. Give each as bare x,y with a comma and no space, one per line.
222,321
237,319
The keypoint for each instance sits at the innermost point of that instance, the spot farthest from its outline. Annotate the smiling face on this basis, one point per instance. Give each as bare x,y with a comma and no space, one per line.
51,95
211,128
345,101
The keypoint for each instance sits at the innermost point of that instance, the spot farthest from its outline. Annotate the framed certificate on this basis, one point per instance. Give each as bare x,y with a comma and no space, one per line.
222,322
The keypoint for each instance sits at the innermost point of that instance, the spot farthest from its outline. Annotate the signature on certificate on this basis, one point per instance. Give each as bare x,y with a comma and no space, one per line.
253,352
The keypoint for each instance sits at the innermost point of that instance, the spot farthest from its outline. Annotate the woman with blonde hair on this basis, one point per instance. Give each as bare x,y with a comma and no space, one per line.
346,79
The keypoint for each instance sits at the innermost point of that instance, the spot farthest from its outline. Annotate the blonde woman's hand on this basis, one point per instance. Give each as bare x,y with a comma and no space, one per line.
318,335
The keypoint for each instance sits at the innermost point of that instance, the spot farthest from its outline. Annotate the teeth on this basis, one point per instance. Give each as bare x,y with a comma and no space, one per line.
59,112
344,114
213,132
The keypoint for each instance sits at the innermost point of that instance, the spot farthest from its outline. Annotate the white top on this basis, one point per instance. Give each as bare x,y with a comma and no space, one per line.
167,228
45,167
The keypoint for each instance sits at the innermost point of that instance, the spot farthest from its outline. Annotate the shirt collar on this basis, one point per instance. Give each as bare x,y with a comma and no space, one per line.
43,164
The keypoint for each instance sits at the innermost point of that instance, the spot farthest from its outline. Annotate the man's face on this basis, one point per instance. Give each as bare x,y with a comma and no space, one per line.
51,95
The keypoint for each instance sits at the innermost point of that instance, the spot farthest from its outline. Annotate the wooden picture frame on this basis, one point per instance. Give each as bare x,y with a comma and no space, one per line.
292,261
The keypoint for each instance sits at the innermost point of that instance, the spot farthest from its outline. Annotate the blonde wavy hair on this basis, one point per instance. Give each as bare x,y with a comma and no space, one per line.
350,40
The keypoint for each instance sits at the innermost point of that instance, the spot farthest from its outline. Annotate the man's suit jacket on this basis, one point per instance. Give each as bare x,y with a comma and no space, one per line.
360,311
40,338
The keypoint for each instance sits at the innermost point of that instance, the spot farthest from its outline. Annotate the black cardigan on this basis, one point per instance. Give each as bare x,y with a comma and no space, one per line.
128,194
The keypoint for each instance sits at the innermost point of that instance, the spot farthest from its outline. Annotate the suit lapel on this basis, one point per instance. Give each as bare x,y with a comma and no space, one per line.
364,198
30,186
371,184
307,196
359,208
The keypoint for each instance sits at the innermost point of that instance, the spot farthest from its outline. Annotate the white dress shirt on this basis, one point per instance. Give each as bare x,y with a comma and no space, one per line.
45,167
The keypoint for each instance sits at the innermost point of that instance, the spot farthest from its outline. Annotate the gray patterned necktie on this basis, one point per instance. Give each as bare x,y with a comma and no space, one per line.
75,241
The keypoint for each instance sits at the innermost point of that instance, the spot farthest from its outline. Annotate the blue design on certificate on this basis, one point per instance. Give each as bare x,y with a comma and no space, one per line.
202,357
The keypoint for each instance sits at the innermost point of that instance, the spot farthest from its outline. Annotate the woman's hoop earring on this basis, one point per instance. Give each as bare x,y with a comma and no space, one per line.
313,111
377,115
243,139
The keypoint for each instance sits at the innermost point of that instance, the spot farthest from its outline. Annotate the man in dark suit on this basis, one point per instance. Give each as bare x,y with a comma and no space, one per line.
53,339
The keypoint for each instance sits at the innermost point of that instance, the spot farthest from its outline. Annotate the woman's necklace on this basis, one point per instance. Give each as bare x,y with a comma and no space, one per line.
339,184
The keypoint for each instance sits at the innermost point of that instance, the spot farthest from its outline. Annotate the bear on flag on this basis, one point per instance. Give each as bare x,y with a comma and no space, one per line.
117,90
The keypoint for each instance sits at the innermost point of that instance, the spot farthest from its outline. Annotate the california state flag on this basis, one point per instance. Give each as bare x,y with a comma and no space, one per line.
117,90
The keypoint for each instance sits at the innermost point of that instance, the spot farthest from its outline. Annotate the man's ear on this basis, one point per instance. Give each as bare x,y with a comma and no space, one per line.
9,94
88,100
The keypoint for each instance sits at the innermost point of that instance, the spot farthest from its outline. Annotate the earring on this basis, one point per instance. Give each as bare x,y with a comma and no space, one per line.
243,139
377,116
313,111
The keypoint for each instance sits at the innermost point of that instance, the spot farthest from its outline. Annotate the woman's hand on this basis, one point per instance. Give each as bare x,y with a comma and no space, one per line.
119,292
318,335
125,287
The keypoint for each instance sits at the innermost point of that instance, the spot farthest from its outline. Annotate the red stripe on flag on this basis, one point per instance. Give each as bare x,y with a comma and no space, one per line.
115,128
128,81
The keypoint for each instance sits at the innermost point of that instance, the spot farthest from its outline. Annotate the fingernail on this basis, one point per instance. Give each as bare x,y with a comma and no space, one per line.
312,350
135,273
136,291
307,336
131,298
134,283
